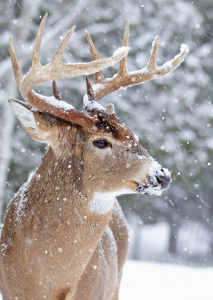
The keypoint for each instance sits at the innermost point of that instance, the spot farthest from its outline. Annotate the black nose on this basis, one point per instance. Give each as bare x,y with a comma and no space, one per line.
164,180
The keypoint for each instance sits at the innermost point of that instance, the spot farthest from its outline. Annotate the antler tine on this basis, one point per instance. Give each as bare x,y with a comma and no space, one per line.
90,92
59,53
98,76
152,60
93,51
15,64
123,63
56,69
151,71
56,91
180,57
37,45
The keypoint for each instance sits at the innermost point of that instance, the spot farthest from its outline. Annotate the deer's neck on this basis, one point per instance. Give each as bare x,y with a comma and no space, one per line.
54,210
58,185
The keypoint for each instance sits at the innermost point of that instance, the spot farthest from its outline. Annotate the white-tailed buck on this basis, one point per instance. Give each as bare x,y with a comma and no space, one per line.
64,234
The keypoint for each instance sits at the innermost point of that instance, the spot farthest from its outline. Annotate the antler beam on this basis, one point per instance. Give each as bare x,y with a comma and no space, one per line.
124,78
56,69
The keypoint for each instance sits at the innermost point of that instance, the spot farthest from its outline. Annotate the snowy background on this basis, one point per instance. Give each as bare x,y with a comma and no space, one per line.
173,117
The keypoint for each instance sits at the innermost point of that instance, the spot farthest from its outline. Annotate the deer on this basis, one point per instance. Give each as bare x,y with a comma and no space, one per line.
64,234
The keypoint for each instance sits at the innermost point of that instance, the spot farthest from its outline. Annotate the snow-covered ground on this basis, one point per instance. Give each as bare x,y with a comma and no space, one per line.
147,281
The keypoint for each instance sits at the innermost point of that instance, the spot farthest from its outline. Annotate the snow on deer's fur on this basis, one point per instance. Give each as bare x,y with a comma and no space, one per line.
64,234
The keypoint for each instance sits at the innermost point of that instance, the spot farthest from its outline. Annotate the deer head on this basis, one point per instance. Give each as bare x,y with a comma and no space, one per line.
100,155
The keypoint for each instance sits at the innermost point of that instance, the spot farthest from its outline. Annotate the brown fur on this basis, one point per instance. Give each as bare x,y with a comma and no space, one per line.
110,123
51,241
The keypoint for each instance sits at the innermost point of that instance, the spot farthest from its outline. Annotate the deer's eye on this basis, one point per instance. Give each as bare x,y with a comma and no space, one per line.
101,144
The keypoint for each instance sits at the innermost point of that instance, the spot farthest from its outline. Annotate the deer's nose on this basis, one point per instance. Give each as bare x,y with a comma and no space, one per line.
163,179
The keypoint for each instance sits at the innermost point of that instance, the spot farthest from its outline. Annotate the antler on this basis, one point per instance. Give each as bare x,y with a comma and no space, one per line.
55,70
124,78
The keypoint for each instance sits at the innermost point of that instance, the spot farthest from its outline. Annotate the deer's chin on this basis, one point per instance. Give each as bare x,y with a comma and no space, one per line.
153,188
149,189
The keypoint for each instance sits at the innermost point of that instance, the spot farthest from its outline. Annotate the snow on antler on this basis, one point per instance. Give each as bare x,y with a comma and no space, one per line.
57,70
124,78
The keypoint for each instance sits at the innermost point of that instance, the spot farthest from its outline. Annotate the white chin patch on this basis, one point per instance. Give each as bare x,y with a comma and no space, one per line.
102,203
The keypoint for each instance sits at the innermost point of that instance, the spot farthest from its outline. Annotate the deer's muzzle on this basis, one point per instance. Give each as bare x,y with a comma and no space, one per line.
158,180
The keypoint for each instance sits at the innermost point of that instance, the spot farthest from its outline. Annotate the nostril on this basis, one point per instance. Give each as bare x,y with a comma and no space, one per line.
159,177
163,178
164,181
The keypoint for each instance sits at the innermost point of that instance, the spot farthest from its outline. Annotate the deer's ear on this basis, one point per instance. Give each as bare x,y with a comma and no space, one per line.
36,123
